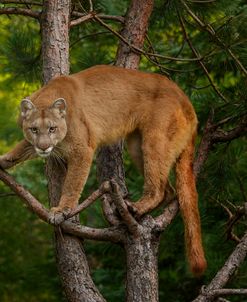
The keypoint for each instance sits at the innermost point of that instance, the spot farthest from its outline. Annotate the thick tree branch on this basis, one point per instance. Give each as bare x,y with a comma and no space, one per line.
33,204
107,234
225,273
112,234
212,135
169,213
205,145
221,136
228,291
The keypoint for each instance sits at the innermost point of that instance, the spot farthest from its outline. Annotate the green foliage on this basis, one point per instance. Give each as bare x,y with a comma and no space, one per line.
27,265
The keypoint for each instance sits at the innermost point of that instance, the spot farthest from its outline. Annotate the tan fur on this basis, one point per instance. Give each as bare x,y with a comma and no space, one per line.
105,104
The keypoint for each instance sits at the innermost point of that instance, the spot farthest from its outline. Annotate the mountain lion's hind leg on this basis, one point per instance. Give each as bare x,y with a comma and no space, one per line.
158,158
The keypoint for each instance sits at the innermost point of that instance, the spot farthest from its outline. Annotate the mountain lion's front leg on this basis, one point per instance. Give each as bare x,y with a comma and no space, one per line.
22,151
78,167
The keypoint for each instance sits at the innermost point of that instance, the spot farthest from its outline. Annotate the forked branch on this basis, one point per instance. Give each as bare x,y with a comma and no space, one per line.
106,234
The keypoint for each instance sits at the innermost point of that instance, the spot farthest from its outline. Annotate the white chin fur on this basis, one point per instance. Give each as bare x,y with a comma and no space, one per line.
43,153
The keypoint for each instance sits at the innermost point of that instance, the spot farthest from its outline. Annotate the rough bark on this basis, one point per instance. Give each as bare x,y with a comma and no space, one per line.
225,273
71,260
109,159
136,25
142,263
55,38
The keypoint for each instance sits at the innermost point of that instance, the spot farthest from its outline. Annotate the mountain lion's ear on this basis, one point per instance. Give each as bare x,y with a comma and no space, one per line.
60,104
26,107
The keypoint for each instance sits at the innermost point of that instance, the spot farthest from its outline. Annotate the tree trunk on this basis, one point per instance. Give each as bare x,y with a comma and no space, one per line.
55,38
142,263
142,249
109,159
71,260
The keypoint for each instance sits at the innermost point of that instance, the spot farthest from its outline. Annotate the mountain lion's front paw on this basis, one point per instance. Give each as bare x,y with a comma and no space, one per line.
58,215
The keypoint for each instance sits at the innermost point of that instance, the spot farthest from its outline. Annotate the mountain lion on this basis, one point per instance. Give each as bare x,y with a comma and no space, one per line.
73,115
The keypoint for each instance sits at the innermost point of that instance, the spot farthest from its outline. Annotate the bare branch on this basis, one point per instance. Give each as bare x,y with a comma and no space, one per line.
28,198
90,5
82,19
221,136
169,213
226,292
113,234
226,272
7,194
21,2
104,188
205,145
119,19
19,11
107,234
128,219
108,211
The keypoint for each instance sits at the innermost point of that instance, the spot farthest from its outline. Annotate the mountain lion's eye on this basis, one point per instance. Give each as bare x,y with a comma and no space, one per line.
34,130
52,129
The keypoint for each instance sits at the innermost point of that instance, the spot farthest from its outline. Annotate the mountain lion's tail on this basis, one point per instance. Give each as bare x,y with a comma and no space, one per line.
187,195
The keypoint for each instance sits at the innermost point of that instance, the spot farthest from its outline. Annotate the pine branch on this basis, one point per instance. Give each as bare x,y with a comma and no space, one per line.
24,2
20,11
83,17
200,62
3,195
209,29
201,1
140,51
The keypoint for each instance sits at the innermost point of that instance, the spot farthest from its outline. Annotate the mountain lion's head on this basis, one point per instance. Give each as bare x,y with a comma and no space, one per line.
44,128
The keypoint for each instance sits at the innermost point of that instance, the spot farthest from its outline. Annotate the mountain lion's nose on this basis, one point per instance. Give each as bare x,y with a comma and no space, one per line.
43,147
